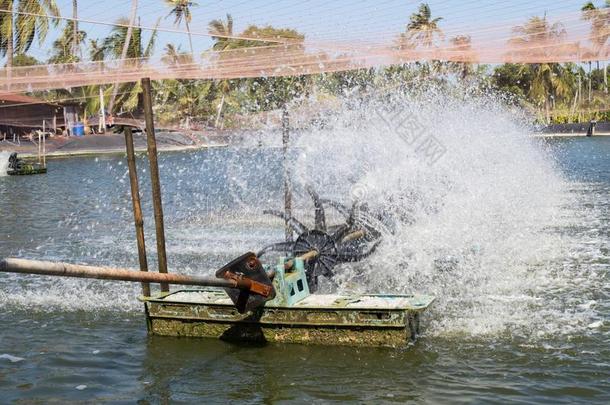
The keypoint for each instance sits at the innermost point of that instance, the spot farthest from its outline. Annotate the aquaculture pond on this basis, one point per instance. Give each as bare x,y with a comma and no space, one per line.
508,231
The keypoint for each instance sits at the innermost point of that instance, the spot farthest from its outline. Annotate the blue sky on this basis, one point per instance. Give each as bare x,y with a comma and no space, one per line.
317,19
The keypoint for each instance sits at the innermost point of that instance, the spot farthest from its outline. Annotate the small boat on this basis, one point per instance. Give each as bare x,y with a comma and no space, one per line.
17,167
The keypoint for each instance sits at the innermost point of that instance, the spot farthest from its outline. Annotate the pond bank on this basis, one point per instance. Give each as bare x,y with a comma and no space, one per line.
60,146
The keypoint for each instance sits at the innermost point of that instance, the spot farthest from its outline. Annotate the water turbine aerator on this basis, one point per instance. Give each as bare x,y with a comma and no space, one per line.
249,300
326,246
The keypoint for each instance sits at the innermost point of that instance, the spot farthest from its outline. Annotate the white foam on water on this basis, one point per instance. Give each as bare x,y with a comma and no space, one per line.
478,225
490,227
11,358
4,163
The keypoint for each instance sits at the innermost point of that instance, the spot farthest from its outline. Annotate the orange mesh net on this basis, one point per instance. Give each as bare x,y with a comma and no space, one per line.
567,39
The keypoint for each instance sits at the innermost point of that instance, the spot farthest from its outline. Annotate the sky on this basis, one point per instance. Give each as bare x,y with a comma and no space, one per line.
319,20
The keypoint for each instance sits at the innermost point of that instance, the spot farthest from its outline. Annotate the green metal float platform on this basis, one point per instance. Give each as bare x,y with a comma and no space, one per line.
293,316
27,169
17,166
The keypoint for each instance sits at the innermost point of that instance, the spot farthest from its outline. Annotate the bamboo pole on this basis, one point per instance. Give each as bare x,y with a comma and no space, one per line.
137,207
154,178
286,164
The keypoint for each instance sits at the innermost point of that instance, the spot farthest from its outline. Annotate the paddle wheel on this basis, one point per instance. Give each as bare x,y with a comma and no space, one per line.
352,240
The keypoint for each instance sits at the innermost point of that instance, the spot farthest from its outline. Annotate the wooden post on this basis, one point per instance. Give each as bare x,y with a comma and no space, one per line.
137,207
154,178
44,138
44,150
66,122
102,124
39,148
286,164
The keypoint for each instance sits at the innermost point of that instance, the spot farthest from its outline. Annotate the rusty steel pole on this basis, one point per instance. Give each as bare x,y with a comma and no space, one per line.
24,266
154,178
137,207
286,164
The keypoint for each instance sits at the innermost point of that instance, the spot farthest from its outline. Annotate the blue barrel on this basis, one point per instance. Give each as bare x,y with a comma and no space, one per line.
78,129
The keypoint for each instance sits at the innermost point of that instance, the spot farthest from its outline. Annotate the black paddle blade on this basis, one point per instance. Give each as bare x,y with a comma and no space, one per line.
285,247
293,223
256,286
320,216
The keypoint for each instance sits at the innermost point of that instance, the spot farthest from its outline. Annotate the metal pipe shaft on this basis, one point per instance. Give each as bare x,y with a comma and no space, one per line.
45,268
353,236
312,254
155,183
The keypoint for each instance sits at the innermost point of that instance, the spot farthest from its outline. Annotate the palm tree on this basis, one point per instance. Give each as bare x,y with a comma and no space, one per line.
536,38
126,44
174,57
221,43
75,43
66,48
422,29
462,45
225,30
97,52
115,44
181,9
28,21
600,31
549,80
181,99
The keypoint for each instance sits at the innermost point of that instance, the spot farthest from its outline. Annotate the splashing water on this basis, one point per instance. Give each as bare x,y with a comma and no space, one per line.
473,204
4,163
475,212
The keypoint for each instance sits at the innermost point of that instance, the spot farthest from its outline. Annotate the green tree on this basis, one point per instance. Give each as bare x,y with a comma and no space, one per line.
269,93
422,29
75,33
114,44
512,79
25,60
222,42
599,18
174,57
180,100
549,81
126,44
223,31
97,52
28,21
181,10
64,49
462,46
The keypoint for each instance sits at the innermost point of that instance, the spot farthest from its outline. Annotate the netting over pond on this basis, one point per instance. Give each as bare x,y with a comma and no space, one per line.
570,38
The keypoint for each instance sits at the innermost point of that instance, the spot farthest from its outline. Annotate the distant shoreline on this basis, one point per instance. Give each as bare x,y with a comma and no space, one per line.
575,129
114,144
108,144
569,135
